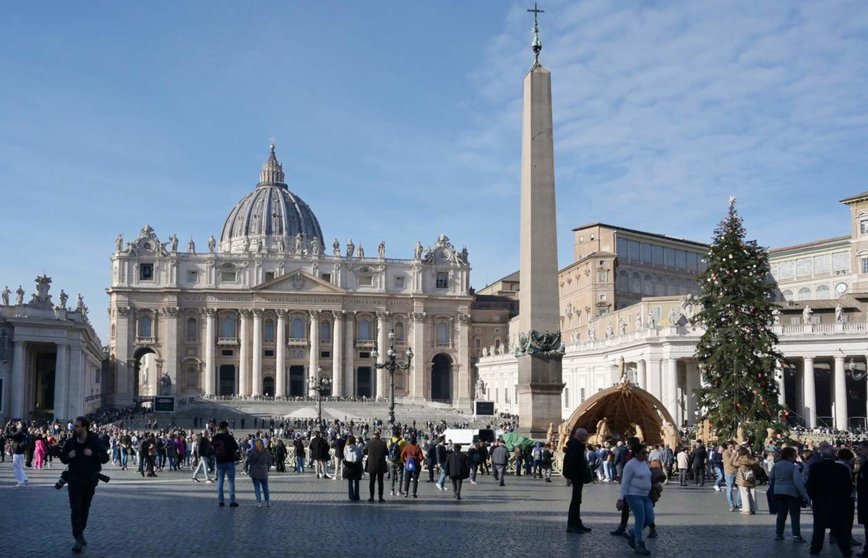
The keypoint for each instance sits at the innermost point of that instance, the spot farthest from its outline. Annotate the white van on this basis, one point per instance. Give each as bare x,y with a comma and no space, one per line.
467,436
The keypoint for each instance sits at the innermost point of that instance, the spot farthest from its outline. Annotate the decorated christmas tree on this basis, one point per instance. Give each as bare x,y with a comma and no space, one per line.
737,355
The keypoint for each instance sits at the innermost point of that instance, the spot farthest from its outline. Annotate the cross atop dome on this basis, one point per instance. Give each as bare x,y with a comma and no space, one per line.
272,170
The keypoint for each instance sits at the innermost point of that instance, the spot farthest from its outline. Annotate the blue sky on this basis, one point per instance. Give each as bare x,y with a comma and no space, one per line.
402,121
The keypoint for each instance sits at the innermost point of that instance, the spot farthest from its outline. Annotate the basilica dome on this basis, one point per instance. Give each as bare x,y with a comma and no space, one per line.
271,218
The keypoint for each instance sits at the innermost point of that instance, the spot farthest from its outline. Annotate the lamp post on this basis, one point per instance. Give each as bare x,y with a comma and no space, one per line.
321,386
391,364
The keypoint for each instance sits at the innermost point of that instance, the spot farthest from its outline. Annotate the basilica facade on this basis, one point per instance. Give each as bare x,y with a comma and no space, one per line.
269,310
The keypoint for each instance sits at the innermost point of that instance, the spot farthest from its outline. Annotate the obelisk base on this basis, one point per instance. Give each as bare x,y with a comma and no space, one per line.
539,393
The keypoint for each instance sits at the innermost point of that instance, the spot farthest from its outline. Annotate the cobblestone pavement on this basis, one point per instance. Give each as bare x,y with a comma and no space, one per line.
173,516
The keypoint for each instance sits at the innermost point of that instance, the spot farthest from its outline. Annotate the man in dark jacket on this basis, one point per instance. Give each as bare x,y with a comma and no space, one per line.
699,456
499,460
225,450
829,487
576,469
84,454
319,450
376,467
862,491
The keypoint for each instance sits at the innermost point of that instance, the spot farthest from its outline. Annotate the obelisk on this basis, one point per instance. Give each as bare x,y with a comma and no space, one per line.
539,351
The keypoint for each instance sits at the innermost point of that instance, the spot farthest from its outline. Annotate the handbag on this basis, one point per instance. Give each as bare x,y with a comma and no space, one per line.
770,498
348,470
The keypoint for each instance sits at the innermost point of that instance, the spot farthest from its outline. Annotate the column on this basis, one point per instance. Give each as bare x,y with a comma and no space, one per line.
257,353
349,355
243,371
691,383
382,346
337,350
780,374
671,390
314,350
17,389
77,393
170,357
641,377
210,364
280,355
419,369
464,390
840,394
810,393
61,383
654,385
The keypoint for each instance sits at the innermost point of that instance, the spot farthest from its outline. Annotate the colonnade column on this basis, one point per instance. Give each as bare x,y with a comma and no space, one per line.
170,356
419,370
349,355
61,383
382,347
210,366
337,350
810,393
313,363
840,394
280,355
641,377
77,382
257,353
671,391
654,384
780,373
16,393
242,354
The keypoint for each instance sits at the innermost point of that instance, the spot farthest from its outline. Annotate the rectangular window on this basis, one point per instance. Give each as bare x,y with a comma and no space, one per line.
364,354
399,282
680,259
864,265
621,247
327,277
227,276
803,267
192,276
669,257
566,397
795,320
646,253
634,251
582,395
863,226
269,275
822,264
146,272
269,352
788,270
325,354
366,280
841,262
227,352
692,259
442,280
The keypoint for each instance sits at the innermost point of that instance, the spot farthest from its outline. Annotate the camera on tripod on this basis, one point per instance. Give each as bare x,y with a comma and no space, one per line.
64,478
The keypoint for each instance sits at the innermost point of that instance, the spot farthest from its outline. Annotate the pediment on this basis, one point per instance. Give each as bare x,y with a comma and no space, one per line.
298,281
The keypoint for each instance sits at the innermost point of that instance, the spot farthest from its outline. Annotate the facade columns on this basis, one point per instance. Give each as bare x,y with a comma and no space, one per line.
337,350
61,383
840,394
780,373
257,353
691,383
78,382
654,384
383,346
313,364
810,393
17,389
243,371
641,377
210,365
671,390
170,356
418,367
349,355
280,355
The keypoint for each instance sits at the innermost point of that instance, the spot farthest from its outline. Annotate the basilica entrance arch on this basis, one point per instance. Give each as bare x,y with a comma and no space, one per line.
268,386
296,381
441,378
364,382
144,373
226,380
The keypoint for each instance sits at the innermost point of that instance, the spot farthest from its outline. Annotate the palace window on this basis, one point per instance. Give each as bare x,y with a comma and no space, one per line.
269,275
365,332
145,326
442,280
602,276
442,334
399,282
841,262
192,276
146,272
325,331
399,331
864,265
365,277
227,326
327,277
192,332
296,329
227,273
863,226
268,331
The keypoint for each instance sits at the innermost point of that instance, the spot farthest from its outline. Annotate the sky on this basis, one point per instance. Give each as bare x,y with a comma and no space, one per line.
402,121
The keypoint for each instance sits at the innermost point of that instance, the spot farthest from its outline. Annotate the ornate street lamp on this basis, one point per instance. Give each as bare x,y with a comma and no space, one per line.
321,386
854,370
391,364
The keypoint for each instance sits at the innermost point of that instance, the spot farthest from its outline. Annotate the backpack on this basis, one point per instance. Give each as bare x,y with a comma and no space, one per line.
394,452
219,448
748,475
411,465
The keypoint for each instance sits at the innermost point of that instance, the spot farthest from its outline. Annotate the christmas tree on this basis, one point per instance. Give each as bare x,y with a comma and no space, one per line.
737,354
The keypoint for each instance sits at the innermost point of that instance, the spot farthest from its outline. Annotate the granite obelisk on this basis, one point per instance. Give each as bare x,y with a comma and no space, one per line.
539,351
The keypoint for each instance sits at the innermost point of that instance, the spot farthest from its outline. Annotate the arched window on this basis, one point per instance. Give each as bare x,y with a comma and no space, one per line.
648,286
442,335
192,329
325,331
145,326
365,333
268,330
804,293
824,292
399,331
227,326
787,294
296,329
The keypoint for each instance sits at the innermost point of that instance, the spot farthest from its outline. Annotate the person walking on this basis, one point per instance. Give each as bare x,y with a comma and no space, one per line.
353,467
396,468
499,460
376,466
635,491
733,496
19,438
683,464
576,469
457,468
260,463
411,457
204,451
789,494
700,454
226,454
746,480
829,487
84,454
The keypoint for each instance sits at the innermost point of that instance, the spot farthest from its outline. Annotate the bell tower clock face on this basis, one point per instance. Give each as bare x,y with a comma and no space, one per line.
840,288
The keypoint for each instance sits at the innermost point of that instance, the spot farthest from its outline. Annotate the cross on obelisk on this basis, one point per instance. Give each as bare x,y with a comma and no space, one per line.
537,45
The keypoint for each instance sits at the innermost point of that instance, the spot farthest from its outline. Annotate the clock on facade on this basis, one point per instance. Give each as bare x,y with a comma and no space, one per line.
841,288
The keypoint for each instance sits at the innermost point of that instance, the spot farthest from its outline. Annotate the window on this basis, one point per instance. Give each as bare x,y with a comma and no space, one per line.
145,326
442,335
269,352
227,273
227,352
399,282
692,259
669,257
296,329
788,270
634,251
192,329
582,395
146,272
325,331
657,252
227,326
823,292
366,280
803,267
325,354
864,265
804,293
680,259
399,331
621,247
327,277
602,276
192,276
268,330
365,333
442,280
863,226
646,253
841,262
822,264
269,275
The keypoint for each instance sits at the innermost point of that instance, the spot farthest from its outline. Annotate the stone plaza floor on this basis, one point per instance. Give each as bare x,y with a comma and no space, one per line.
173,516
